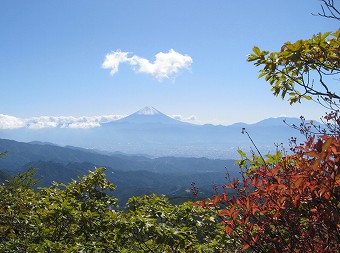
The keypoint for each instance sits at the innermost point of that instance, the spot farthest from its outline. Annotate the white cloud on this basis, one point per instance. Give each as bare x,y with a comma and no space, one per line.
114,59
83,125
181,118
191,118
10,122
165,65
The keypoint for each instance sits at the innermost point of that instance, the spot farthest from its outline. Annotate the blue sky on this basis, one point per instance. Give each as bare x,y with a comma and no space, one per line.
52,55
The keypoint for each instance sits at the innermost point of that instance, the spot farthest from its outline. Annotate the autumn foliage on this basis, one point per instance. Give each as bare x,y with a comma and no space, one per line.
289,203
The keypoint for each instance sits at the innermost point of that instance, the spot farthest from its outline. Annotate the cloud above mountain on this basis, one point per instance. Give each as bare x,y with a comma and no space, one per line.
166,65
11,122
182,118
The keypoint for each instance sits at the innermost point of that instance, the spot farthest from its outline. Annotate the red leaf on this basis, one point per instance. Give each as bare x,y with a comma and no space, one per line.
248,204
313,154
327,144
245,247
216,200
227,186
224,212
296,200
327,195
229,230
225,196
234,215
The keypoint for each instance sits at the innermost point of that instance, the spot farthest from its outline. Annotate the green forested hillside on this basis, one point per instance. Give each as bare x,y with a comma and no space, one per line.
82,216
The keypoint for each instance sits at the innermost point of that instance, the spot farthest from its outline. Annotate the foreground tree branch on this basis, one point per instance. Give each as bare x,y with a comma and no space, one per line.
306,69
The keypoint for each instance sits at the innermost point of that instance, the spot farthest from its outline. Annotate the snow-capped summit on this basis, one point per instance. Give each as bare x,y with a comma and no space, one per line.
148,110
149,115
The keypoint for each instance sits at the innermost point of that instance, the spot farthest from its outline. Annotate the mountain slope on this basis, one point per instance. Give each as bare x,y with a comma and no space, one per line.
20,154
133,175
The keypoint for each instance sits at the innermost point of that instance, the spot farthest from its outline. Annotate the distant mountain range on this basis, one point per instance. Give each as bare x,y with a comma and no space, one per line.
150,132
133,175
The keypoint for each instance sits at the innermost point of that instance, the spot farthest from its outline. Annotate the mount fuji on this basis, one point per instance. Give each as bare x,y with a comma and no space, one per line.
149,115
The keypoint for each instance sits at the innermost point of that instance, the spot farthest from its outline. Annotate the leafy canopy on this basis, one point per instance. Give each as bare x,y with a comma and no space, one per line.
304,69
83,216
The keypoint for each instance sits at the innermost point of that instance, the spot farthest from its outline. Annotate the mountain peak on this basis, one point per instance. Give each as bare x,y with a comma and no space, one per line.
148,110
150,115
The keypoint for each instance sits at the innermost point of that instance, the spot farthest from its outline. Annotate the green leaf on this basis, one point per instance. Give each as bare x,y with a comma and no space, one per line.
262,74
257,51
241,153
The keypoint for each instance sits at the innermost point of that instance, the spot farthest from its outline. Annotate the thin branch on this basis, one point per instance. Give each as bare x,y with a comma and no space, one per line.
333,12
258,151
